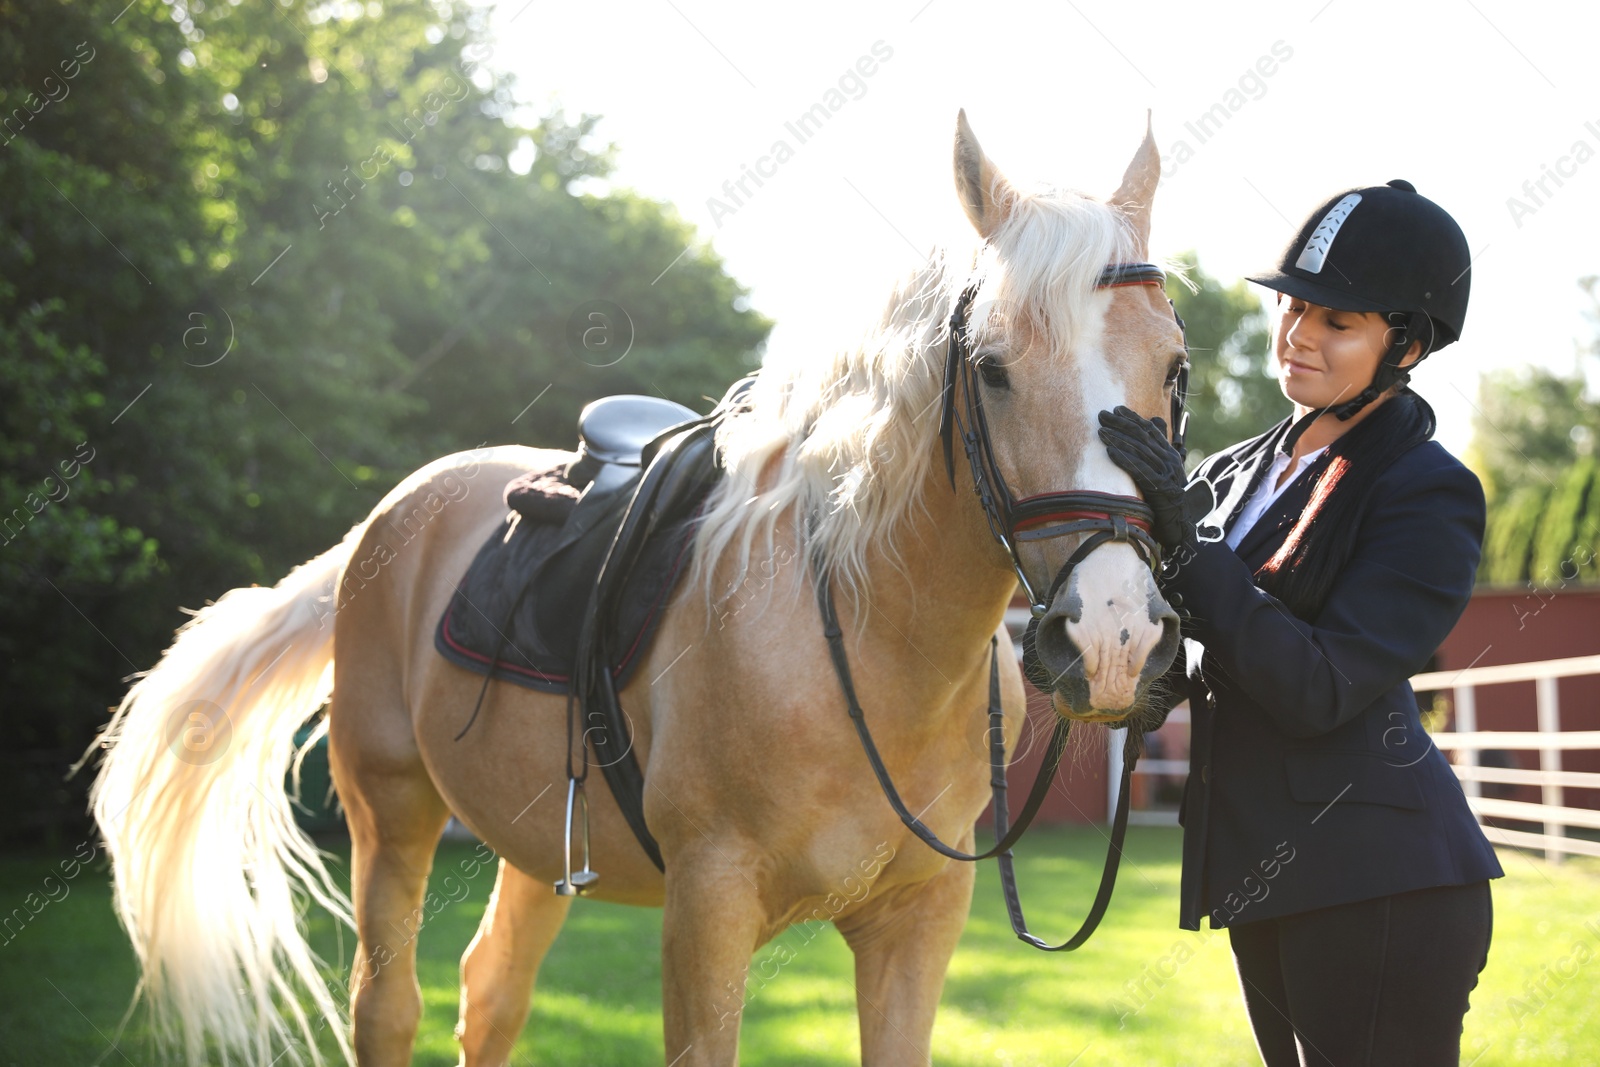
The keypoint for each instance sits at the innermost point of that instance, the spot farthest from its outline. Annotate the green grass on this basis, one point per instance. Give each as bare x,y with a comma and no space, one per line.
65,979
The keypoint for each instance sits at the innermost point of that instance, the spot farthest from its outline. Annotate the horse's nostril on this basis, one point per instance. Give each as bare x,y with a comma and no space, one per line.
1053,663
1033,668
1057,665
1057,656
1165,650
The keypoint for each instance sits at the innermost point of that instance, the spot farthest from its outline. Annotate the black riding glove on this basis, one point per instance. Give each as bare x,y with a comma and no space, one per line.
1140,447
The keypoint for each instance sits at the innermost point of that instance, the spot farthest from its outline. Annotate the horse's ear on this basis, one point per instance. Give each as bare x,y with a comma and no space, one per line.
985,194
1138,189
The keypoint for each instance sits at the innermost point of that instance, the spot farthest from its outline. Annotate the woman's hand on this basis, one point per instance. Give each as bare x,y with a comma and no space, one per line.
1140,447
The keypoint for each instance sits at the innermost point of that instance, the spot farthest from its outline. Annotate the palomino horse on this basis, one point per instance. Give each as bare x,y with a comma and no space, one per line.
756,789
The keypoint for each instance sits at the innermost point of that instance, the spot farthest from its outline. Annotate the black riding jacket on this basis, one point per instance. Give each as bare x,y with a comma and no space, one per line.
1312,782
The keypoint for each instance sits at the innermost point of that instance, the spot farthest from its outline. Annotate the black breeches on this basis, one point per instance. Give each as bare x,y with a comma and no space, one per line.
1371,984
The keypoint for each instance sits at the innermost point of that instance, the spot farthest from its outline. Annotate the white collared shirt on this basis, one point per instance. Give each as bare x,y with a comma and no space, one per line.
1268,491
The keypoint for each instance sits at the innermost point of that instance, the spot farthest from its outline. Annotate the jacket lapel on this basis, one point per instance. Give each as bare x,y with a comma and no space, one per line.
1265,537
1239,473
1241,476
1233,489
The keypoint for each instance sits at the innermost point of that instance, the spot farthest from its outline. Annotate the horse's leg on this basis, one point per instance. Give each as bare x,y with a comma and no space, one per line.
903,943
711,924
498,971
395,817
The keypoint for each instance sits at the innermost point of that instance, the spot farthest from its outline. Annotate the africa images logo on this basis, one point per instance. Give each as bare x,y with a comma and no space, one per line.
804,127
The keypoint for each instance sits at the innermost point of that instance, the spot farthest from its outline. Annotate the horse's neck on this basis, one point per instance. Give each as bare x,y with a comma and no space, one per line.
945,588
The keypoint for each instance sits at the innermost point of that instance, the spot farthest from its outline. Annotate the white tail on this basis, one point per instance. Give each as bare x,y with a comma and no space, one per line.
208,863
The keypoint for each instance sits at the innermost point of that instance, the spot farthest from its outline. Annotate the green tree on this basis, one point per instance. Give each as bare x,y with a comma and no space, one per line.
1546,535
1233,394
1534,445
1531,425
263,259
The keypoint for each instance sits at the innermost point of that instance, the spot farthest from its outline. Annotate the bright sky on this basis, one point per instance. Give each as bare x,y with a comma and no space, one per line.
1468,100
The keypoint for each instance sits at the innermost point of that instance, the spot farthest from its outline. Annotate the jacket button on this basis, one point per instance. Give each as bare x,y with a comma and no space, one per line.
1205,774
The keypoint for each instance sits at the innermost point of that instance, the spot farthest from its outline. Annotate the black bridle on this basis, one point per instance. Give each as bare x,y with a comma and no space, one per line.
1105,517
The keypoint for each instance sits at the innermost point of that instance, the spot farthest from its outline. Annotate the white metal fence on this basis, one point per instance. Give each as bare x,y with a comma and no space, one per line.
1548,740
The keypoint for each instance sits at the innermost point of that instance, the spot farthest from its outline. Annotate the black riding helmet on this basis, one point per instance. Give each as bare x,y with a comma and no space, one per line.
1386,249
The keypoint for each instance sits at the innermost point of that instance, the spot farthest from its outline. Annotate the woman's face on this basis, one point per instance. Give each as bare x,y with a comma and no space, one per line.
1325,356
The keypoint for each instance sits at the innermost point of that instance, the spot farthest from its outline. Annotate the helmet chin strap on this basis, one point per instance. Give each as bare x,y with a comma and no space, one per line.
1389,375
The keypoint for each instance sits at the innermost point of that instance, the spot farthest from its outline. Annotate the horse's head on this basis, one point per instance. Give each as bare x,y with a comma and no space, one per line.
1050,345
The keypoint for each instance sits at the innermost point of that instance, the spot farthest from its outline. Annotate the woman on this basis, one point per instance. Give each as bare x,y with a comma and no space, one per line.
1317,568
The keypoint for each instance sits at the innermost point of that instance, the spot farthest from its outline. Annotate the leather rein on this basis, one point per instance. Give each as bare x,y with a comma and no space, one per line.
1104,517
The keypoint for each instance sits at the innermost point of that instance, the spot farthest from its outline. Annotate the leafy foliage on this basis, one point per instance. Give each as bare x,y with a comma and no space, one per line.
1546,535
1233,395
1534,444
259,262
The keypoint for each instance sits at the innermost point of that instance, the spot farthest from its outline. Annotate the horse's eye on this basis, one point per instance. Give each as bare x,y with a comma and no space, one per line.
993,374
1176,372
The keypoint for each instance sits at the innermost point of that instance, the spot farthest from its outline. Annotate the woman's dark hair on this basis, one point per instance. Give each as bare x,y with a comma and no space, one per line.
1301,573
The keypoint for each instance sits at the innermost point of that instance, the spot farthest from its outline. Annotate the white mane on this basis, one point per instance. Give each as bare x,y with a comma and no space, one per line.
850,440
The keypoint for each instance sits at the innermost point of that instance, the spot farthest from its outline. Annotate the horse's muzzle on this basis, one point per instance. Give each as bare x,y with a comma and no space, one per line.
1082,681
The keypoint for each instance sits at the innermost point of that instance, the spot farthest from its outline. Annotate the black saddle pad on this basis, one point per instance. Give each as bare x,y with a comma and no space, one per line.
521,603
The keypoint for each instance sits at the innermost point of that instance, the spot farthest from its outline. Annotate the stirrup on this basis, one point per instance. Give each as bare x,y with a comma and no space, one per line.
575,885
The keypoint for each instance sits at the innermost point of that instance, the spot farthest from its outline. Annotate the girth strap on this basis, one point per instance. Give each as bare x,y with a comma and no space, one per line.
1005,836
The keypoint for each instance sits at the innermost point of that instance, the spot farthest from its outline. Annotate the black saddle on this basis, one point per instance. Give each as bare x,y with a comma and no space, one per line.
518,611
565,597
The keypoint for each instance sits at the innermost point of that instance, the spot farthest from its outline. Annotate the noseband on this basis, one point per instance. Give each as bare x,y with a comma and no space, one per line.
1103,516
